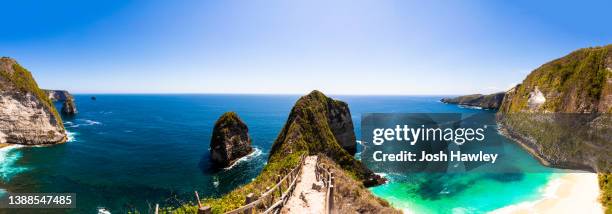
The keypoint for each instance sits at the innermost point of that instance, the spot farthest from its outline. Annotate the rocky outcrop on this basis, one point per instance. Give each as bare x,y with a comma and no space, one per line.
68,105
318,124
57,95
560,112
27,116
491,101
230,140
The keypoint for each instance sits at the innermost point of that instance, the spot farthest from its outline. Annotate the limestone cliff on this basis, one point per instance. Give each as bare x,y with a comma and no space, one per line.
27,116
318,124
67,100
69,107
560,112
57,95
491,101
230,140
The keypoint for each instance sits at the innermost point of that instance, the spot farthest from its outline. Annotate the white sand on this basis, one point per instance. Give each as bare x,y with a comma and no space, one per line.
313,201
571,193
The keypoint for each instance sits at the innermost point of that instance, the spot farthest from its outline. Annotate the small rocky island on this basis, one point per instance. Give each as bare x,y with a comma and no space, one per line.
27,115
491,101
68,105
230,140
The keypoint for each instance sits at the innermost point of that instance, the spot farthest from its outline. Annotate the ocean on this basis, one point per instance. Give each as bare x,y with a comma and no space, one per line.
129,152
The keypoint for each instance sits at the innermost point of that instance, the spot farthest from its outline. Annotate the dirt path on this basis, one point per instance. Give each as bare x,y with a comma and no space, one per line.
305,199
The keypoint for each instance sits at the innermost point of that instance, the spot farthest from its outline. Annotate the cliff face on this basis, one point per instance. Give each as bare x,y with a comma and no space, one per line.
57,95
230,140
318,124
27,116
491,101
559,111
580,82
68,105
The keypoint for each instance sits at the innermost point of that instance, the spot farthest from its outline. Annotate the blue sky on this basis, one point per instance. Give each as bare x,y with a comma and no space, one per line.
339,47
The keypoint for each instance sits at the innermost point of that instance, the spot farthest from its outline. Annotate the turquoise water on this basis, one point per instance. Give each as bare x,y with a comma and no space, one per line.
129,152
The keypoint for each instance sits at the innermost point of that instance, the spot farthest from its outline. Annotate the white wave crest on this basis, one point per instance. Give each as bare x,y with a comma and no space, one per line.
8,157
256,153
71,136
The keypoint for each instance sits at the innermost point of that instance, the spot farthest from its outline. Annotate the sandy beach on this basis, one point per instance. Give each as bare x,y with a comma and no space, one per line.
569,193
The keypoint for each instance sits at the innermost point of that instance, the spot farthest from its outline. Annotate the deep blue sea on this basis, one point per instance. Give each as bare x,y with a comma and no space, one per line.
128,152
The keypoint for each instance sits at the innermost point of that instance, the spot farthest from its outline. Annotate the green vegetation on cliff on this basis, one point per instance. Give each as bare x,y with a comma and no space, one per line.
574,83
490,101
306,132
605,184
308,129
24,81
576,87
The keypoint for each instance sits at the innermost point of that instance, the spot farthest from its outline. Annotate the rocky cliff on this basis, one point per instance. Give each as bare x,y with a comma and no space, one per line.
27,116
491,101
318,124
67,100
57,95
230,140
559,112
69,107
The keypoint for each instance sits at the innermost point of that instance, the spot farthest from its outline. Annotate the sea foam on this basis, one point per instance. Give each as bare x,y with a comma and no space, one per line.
8,157
256,153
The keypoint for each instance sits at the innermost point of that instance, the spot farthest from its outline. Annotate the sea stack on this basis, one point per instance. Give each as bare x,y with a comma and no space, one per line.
491,101
27,115
230,140
68,107
67,100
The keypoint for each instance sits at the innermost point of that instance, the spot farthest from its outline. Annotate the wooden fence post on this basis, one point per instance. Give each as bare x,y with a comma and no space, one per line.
198,199
249,198
204,210
271,201
332,184
280,186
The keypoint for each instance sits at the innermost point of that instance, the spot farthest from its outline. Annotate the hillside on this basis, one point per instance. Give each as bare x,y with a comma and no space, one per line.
27,115
560,113
309,130
490,101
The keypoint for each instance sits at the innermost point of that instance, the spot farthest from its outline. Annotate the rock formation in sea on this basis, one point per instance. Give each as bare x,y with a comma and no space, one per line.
68,107
67,100
230,140
560,112
491,101
57,95
27,115
318,124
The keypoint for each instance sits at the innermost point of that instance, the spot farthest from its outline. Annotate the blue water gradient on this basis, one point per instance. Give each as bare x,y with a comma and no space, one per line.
129,152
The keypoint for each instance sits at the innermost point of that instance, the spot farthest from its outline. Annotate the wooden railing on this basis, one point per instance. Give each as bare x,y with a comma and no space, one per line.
269,201
324,174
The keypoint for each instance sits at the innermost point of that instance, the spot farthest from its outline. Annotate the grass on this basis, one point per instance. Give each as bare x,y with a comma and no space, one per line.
23,80
605,184
307,131
571,81
236,198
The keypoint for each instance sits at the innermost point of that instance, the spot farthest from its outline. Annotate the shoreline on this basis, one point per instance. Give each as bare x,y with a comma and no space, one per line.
569,193
521,142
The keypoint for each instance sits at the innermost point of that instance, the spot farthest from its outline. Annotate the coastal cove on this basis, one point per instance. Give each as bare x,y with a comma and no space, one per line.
128,152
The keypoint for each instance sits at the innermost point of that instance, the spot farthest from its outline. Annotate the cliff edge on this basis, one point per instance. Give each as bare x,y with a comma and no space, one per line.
491,101
27,116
